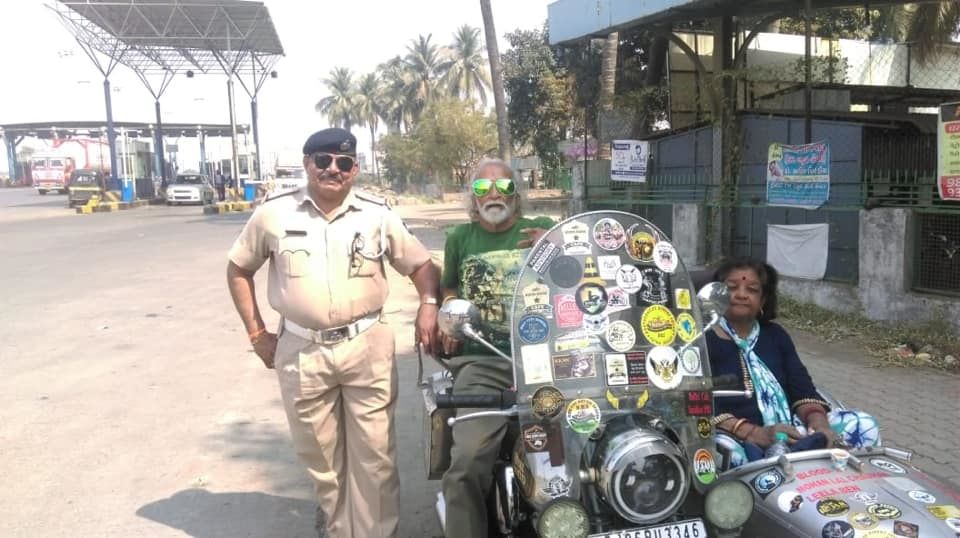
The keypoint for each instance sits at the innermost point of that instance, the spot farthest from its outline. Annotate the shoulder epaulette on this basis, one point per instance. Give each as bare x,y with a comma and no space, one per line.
367,197
275,195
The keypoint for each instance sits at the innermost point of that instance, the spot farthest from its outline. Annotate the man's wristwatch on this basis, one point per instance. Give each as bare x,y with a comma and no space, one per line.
429,300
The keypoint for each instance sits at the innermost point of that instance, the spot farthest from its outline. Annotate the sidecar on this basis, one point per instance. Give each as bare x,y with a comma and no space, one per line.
870,493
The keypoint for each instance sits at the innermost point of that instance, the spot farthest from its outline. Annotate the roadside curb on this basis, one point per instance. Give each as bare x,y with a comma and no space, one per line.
99,206
228,207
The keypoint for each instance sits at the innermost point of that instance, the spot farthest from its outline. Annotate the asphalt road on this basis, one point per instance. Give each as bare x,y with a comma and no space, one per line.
132,405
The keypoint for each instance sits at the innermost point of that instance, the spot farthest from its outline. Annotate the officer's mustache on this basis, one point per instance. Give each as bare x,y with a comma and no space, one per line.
338,177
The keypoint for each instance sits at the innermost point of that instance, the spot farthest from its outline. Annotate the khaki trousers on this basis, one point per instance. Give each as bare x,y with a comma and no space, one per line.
476,444
339,401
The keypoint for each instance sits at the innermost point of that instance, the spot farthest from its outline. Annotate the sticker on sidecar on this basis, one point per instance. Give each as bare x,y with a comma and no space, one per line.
909,530
583,415
944,511
884,511
767,481
790,501
832,507
692,528
922,496
609,234
887,466
704,466
837,529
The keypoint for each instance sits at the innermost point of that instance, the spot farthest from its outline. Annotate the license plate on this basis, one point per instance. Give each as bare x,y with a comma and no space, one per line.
692,528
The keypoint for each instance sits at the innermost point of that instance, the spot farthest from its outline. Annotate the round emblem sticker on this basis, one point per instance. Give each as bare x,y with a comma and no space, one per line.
665,257
767,481
686,327
832,507
629,278
608,234
533,329
704,428
565,271
837,529
547,402
704,466
922,496
640,244
663,368
691,361
658,325
887,466
592,298
863,521
790,501
583,415
883,511
866,497
621,336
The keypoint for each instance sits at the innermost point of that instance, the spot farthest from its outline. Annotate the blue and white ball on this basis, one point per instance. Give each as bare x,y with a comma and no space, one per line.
856,428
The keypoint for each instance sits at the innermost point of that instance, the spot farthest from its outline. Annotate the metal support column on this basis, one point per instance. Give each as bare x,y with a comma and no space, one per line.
11,157
203,152
111,134
255,168
235,162
161,163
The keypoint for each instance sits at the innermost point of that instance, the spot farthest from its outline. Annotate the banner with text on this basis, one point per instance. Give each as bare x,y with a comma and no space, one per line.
798,175
948,150
628,160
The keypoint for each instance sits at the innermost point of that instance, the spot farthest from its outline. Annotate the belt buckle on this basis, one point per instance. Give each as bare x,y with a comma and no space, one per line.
334,336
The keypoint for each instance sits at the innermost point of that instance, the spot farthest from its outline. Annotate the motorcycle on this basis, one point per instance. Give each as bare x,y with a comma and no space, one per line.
610,432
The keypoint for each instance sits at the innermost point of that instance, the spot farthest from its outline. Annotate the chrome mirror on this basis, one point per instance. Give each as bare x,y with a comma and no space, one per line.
457,318
714,299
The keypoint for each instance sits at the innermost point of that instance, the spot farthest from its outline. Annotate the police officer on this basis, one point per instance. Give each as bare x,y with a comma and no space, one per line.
334,356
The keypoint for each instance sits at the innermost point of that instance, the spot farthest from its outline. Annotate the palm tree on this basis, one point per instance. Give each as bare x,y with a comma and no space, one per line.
369,108
930,25
339,106
496,75
465,73
608,83
398,91
424,61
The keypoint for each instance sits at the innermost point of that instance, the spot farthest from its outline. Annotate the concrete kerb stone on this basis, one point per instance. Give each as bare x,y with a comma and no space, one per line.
229,207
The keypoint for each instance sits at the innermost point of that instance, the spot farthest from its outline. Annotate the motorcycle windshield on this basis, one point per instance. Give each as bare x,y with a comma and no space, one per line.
606,323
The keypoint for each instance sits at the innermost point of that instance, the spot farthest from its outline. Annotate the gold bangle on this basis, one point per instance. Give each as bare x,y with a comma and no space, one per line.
737,426
256,335
721,418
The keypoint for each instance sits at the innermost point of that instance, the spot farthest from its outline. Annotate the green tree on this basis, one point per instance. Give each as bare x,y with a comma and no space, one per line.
465,72
541,96
424,64
399,94
369,107
339,107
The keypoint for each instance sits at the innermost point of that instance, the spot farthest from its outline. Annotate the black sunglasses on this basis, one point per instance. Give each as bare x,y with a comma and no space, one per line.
345,163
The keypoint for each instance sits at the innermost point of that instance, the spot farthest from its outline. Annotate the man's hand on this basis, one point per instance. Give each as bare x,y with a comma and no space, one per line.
266,347
426,328
534,235
450,345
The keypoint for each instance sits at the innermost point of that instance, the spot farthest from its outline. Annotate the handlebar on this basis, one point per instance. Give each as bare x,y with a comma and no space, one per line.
504,400
725,381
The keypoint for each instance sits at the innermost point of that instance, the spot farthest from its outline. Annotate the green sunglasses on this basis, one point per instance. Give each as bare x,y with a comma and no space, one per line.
482,186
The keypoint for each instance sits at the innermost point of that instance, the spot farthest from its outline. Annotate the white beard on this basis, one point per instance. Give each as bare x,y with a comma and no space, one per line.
496,212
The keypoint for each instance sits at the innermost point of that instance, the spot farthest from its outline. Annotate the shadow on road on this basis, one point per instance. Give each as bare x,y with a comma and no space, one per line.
203,514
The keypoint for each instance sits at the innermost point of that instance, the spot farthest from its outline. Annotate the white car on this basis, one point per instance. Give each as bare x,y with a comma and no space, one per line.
190,189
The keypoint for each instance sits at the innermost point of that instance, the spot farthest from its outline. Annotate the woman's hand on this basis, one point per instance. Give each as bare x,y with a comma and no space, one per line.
765,436
818,422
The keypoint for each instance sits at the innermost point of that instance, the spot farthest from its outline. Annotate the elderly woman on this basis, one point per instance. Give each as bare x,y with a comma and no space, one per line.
760,353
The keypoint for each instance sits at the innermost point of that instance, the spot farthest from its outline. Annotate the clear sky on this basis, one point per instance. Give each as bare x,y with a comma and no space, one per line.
47,77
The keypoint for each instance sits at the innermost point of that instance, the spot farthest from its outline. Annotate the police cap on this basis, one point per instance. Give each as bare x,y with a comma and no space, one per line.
333,140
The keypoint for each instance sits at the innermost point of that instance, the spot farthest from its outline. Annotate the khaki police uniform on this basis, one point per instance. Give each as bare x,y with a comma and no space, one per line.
335,357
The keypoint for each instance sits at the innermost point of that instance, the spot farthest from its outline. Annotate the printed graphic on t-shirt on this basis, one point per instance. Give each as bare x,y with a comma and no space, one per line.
487,281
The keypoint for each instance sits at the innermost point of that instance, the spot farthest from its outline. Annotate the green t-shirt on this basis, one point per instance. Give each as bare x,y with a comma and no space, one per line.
483,267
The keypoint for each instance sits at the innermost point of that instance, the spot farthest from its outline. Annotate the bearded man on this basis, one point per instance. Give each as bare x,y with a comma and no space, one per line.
482,260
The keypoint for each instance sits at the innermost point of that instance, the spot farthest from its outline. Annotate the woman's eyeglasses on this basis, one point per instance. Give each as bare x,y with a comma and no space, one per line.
323,160
482,186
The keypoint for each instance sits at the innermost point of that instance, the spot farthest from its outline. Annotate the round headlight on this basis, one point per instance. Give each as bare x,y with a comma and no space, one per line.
563,518
729,505
643,475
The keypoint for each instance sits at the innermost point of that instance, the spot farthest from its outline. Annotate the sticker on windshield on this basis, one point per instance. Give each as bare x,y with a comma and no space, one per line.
536,364
536,300
615,365
629,278
699,403
566,271
682,298
704,466
621,336
618,300
609,234
887,466
583,415
691,361
665,257
640,243
533,329
658,325
575,238
704,428
686,327
535,438
637,368
654,288
591,298
596,324
574,365
663,368
541,258
547,402
608,265
567,312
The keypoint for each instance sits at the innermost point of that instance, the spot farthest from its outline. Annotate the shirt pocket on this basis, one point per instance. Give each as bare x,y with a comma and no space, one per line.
293,256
